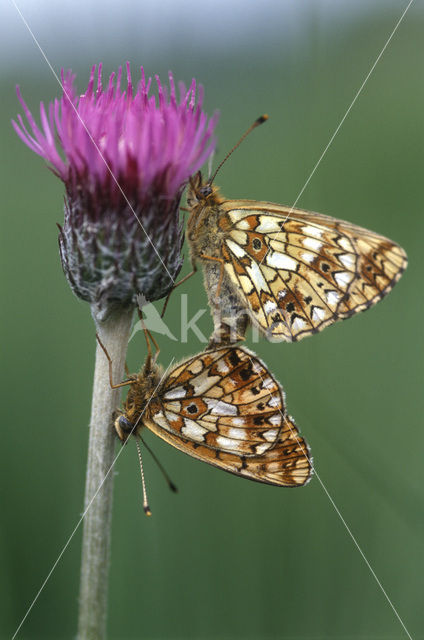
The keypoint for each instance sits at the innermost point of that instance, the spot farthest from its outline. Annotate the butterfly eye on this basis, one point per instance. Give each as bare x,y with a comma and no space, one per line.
125,424
206,190
123,428
256,244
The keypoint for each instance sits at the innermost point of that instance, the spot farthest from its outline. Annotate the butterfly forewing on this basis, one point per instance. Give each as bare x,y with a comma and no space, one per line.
299,271
225,408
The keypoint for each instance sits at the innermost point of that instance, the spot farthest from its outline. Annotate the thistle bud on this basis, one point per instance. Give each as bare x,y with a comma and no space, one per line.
124,157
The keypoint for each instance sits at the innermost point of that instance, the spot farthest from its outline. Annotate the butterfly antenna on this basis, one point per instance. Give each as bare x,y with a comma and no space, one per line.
146,507
257,122
210,161
171,485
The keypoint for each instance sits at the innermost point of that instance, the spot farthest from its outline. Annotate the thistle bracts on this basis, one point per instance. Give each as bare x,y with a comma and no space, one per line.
124,157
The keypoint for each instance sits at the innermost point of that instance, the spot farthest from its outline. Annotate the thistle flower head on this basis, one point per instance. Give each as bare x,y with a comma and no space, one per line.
124,157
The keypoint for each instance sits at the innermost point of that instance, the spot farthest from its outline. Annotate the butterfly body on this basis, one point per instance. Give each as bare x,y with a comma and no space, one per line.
222,407
291,272
206,232
142,387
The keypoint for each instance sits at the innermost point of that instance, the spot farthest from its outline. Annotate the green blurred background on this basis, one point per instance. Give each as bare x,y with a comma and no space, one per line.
226,558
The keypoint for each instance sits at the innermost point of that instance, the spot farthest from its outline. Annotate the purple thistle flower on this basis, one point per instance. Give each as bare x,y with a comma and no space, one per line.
125,157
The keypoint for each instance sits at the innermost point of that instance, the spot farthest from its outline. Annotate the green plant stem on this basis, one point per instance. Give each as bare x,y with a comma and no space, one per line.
114,333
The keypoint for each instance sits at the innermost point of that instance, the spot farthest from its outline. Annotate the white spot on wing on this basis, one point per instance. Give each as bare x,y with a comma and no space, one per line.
307,257
243,224
238,215
193,430
257,367
268,383
238,421
269,306
268,224
298,324
227,443
345,244
203,382
238,434
220,408
261,448
280,261
160,419
332,297
312,243
172,417
274,402
270,435
318,314
235,248
257,277
222,366
309,230
178,392
347,260
343,278
275,419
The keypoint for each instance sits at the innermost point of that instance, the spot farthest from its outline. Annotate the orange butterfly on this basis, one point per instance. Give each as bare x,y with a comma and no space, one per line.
289,272
223,407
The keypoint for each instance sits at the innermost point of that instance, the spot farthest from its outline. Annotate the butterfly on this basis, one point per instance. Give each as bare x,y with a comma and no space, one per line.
221,406
289,272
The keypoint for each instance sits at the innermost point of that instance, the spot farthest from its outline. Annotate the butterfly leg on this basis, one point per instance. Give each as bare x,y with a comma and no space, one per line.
113,386
177,285
149,337
155,344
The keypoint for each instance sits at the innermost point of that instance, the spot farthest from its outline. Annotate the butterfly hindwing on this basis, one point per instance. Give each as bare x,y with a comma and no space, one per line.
225,408
299,271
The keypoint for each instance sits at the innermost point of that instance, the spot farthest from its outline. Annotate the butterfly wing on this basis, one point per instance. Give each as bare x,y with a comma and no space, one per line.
299,271
225,408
